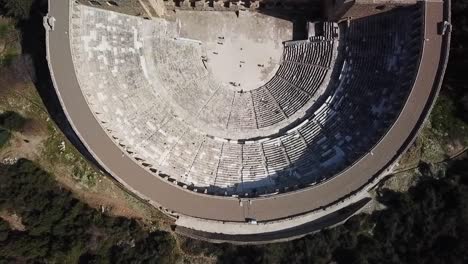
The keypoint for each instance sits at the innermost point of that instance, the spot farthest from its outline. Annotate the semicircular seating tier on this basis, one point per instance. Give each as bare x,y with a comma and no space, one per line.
330,101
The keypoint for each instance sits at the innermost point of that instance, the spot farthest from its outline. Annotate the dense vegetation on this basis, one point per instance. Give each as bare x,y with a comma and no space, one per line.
61,229
20,9
427,224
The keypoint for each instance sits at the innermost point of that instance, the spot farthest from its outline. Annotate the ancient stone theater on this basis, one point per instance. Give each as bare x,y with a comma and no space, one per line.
248,121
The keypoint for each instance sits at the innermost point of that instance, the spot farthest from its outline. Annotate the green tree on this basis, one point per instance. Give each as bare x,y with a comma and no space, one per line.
19,9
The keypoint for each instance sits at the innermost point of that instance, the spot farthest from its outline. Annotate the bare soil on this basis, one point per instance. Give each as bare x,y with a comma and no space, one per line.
13,220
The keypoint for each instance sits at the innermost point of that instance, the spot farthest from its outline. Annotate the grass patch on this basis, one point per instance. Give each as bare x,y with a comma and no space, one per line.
84,174
5,29
56,148
432,150
8,57
9,44
445,124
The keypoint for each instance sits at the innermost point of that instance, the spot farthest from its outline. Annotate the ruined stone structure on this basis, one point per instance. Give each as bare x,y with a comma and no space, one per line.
248,125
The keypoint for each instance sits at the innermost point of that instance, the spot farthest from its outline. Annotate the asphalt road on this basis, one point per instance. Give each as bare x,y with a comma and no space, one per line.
180,200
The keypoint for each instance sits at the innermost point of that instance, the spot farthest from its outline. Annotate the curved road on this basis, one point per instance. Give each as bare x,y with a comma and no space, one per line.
182,201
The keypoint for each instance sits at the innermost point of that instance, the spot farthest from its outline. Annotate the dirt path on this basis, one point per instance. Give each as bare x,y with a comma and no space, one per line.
13,220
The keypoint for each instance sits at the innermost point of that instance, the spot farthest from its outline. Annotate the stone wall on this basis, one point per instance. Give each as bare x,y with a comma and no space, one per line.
234,5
